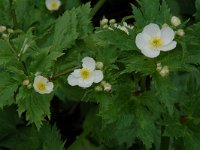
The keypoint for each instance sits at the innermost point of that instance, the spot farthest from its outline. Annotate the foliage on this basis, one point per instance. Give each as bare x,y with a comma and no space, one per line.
137,105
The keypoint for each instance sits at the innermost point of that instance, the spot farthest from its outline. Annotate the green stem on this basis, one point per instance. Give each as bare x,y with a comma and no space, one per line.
96,8
64,72
13,14
165,141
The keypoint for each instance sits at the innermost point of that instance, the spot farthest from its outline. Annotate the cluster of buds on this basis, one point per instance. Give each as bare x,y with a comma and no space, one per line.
163,71
5,32
104,86
176,21
27,83
105,23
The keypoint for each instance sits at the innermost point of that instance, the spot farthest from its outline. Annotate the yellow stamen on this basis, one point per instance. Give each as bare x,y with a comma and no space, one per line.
54,5
85,73
41,86
156,42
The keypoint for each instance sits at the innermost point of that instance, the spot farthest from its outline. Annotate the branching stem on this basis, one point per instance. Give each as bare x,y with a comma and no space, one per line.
96,8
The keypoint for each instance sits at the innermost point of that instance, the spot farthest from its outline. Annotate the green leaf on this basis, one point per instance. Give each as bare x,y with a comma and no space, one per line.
72,25
6,54
36,106
148,13
138,63
8,87
5,17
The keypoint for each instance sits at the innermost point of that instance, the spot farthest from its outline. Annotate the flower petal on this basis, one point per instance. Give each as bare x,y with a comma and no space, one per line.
152,30
150,53
76,73
167,34
141,40
88,63
84,84
97,75
40,78
72,80
169,46
49,87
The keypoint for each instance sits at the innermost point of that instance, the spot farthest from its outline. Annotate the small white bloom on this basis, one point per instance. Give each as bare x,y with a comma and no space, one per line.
180,32
42,85
53,5
175,21
107,87
127,26
2,28
99,65
165,71
152,40
86,76
123,27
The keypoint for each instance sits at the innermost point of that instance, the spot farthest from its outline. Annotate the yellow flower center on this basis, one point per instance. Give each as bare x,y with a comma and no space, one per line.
54,5
156,42
41,86
85,73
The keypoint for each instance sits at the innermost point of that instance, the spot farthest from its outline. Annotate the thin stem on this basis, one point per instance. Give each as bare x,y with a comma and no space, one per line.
96,8
13,14
64,72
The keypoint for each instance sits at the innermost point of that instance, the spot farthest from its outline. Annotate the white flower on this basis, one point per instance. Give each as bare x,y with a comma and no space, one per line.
53,5
25,82
123,27
152,40
42,85
180,32
112,21
87,75
175,21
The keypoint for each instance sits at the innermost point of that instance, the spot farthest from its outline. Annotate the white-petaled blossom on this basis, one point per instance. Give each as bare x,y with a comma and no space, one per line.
53,5
175,21
152,40
42,85
86,76
112,21
180,32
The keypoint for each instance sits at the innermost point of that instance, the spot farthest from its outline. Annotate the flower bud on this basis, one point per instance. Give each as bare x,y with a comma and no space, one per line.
5,36
98,88
29,86
99,65
165,71
165,25
175,21
180,32
107,87
104,21
10,31
105,26
2,28
25,82
159,67
112,21
103,83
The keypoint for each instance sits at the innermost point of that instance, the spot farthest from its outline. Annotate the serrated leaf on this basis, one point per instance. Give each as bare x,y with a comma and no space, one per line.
70,26
36,106
8,88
